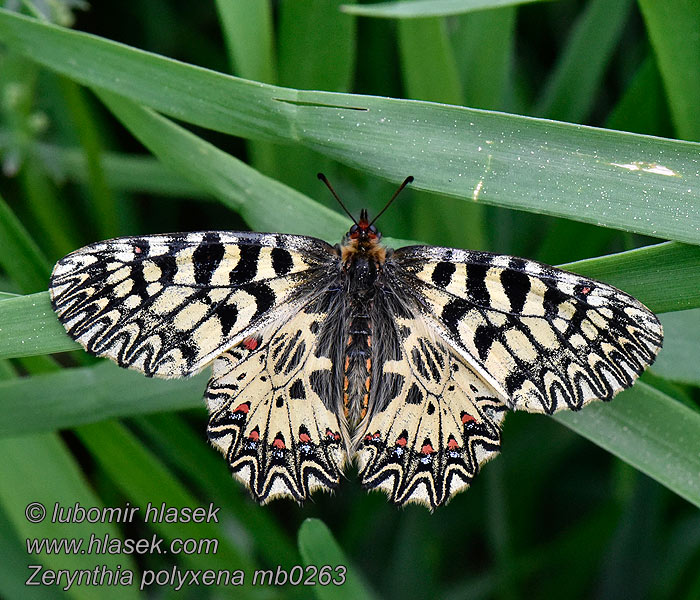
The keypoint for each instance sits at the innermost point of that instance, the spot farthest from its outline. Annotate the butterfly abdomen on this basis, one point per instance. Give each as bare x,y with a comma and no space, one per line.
357,368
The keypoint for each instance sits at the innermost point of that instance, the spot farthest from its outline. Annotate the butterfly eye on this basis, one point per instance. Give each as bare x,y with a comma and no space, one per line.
354,232
373,233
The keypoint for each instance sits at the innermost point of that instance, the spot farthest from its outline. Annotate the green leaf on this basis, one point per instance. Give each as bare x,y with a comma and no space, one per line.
20,257
428,62
103,204
310,55
248,29
318,547
248,33
680,358
39,468
642,108
7,370
625,181
145,480
124,172
573,85
76,396
47,210
665,277
551,557
13,567
651,432
484,44
265,204
683,541
673,27
430,72
312,58
416,9
28,326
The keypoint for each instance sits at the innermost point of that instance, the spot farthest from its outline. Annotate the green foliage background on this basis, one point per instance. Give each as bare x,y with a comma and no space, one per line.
99,139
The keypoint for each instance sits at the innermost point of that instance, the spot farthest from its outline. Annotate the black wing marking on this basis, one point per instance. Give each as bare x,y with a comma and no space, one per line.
544,338
434,422
167,305
270,414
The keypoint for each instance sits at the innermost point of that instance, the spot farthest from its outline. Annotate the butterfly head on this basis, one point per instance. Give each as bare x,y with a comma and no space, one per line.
363,236
363,231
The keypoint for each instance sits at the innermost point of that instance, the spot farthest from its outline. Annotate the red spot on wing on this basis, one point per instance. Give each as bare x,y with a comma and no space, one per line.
304,437
452,443
254,435
137,250
332,435
585,290
402,441
251,343
467,418
373,437
427,449
243,408
278,443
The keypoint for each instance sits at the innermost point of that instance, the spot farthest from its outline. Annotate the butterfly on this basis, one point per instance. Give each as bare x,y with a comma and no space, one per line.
404,361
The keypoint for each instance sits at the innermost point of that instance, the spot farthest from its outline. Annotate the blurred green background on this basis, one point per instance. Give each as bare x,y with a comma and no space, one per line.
555,516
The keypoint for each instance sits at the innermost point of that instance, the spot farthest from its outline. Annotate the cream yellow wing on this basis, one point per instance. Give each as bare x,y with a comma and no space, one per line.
433,422
167,305
545,339
270,402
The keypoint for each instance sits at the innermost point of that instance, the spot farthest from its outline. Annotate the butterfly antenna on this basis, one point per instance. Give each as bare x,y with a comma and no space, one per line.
406,181
323,178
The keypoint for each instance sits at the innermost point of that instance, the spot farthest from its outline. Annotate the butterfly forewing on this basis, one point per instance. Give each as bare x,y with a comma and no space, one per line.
544,338
167,305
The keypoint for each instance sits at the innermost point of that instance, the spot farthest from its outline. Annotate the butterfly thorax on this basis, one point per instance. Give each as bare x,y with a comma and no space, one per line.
363,257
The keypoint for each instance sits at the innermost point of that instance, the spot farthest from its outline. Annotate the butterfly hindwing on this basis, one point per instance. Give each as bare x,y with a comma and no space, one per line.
435,422
167,305
544,338
270,415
